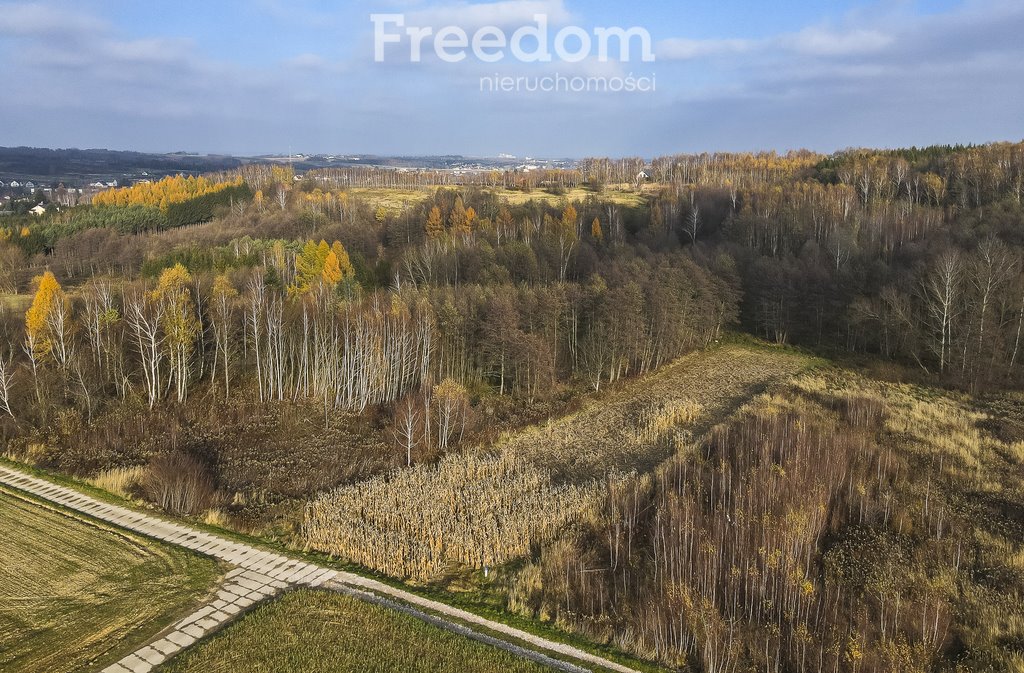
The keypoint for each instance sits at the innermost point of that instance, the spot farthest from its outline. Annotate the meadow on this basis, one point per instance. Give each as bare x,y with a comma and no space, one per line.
398,200
75,595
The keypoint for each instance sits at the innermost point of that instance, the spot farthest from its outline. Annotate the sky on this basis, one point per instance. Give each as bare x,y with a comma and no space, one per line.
250,77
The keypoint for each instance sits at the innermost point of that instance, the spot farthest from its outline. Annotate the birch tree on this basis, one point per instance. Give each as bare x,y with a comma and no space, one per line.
6,383
941,289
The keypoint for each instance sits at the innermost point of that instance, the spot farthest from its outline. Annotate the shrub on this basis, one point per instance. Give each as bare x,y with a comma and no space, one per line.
178,484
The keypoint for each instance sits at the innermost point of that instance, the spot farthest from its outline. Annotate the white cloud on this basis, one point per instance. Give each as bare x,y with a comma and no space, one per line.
28,19
504,14
820,41
682,49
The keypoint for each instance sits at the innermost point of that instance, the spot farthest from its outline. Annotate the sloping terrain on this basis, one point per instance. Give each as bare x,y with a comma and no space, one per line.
487,507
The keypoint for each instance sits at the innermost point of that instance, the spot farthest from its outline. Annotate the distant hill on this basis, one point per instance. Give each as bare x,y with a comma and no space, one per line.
74,165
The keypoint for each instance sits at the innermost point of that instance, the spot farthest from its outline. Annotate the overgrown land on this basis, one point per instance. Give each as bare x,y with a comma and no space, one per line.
719,413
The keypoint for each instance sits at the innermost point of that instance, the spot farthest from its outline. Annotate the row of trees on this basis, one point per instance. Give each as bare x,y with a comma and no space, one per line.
310,332
163,193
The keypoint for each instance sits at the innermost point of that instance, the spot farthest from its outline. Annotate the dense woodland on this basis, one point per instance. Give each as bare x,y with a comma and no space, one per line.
241,341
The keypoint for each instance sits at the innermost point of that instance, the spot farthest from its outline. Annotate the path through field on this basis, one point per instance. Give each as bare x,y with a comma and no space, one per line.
260,574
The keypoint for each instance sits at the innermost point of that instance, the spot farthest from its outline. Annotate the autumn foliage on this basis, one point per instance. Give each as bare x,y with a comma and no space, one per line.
163,193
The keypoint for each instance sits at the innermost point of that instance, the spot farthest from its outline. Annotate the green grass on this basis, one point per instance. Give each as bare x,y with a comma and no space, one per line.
76,595
320,632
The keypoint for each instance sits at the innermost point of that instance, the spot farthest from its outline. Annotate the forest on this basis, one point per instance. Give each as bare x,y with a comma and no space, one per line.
386,366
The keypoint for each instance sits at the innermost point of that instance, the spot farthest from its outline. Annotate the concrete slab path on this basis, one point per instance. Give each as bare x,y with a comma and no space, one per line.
260,574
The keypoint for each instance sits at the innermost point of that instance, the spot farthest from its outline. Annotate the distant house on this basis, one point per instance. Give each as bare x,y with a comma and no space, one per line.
37,210
30,185
15,184
61,195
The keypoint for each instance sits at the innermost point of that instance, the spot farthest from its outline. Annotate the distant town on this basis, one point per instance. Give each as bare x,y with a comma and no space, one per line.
33,180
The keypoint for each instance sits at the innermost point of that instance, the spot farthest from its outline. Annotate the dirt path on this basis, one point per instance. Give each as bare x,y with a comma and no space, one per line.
260,574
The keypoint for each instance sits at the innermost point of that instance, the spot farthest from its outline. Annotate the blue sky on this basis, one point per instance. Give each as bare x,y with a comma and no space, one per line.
267,76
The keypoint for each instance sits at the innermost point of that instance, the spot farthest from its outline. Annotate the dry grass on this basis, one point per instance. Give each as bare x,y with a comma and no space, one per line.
394,200
16,302
835,524
625,197
488,507
76,596
608,433
661,420
125,482
470,511
398,200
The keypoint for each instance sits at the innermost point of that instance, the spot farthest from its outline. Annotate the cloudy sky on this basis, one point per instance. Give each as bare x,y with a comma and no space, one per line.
277,76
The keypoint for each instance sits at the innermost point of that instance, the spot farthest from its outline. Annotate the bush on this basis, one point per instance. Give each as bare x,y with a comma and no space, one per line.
178,484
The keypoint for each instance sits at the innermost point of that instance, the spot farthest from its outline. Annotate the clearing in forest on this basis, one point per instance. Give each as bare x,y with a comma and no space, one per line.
484,508
75,595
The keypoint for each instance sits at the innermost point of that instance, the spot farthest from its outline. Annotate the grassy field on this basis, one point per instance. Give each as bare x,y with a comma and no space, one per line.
319,632
15,302
74,595
397,200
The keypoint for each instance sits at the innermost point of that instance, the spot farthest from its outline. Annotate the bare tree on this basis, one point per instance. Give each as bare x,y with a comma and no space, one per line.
941,290
408,430
6,383
693,223
991,270
452,404
143,316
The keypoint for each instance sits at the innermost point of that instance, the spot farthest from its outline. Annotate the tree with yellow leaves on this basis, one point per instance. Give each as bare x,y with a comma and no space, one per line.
596,231
344,263
332,270
458,220
180,324
47,327
309,265
47,321
320,262
434,226
164,193
567,237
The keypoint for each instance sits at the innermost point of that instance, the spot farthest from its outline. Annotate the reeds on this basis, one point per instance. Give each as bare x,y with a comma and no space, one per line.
469,511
